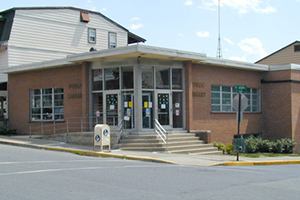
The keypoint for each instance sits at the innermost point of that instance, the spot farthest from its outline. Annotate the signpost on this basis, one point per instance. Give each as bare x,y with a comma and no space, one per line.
240,103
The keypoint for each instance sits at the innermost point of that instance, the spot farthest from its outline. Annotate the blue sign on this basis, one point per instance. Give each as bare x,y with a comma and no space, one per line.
97,138
105,132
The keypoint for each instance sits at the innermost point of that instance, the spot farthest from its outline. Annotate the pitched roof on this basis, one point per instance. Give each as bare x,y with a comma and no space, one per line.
297,41
132,38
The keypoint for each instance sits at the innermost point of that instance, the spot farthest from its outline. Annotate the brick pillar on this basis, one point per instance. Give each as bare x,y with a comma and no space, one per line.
85,89
188,94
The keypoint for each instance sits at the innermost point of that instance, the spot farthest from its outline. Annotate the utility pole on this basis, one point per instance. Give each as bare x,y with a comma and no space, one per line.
219,50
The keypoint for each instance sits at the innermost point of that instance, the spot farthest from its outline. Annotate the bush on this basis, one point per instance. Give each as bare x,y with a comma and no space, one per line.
229,148
4,130
288,145
254,145
264,146
251,145
221,146
277,147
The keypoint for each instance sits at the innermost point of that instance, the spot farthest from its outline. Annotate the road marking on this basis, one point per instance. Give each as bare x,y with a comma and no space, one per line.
84,168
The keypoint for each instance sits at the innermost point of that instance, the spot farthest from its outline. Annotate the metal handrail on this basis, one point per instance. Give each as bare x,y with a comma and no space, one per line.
161,132
120,129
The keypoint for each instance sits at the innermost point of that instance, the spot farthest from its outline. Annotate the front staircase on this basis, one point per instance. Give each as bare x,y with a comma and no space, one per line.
178,143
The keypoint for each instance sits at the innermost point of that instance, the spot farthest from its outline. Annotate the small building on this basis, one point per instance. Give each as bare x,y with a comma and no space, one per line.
184,91
138,84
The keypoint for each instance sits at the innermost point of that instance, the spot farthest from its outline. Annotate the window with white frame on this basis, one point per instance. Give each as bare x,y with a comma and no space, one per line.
92,35
47,104
112,40
222,96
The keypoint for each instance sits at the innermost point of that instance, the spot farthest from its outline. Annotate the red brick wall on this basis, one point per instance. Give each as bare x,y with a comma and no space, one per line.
73,79
222,125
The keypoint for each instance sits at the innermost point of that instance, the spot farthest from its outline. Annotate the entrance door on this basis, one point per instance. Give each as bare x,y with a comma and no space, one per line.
147,110
128,110
112,109
164,108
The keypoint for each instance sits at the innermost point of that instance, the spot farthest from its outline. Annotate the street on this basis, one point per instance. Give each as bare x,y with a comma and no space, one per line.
27,173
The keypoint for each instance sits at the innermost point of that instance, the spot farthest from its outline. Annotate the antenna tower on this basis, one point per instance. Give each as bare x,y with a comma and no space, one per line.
219,50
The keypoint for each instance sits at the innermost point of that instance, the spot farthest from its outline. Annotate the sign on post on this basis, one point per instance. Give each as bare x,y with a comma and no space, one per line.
240,103
102,136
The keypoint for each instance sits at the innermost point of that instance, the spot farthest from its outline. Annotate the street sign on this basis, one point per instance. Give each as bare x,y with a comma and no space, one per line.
240,88
244,102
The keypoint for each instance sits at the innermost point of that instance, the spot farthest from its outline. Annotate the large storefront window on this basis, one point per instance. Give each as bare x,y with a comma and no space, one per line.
162,78
177,79
222,96
127,77
47,104
97,80
111,76
147,78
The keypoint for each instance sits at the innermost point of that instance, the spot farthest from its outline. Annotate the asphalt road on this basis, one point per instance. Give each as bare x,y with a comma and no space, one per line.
27,173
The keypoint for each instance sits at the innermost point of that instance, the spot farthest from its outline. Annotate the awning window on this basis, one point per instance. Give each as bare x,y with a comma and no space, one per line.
84,17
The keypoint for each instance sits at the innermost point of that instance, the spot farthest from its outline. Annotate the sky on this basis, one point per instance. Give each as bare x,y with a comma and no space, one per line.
249,29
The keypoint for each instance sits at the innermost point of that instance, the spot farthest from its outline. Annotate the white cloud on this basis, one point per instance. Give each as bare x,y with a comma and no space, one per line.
180,34
243,58
242,6
229,41
135,19
136,26
252,47
188,3
203,34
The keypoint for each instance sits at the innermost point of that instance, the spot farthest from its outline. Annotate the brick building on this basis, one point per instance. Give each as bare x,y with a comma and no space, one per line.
138,84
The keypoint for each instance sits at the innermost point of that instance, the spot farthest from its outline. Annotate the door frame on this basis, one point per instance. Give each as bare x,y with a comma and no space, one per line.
170,125
110,92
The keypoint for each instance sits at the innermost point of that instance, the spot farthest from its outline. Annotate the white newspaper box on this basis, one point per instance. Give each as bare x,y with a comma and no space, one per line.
102,136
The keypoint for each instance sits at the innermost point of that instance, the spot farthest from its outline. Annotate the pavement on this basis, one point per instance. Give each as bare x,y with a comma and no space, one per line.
179,159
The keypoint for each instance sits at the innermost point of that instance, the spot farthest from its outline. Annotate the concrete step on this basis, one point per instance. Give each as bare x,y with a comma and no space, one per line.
184,143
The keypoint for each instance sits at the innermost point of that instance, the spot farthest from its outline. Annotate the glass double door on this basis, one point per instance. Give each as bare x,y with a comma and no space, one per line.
169,109
114,110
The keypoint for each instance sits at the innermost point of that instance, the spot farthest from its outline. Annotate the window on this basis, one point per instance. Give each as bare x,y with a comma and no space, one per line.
112,40
111,76
162,78
47,104
222,96
97,79
176,78
84,17
92,35
297,48
147,78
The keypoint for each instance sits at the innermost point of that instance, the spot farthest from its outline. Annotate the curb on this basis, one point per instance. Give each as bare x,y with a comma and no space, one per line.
251,163
86,152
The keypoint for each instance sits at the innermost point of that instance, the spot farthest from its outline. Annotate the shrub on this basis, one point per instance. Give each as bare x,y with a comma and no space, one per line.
251,145
288,145
221,146
4,130
264,146
277,147
229,148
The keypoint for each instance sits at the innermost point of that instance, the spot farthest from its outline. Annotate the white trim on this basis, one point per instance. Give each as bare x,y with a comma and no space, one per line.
135,51
284,67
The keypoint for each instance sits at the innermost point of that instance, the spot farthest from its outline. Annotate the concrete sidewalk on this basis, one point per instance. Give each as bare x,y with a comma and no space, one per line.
180,159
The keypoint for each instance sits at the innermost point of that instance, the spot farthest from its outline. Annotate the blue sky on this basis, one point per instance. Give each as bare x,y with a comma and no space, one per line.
250,29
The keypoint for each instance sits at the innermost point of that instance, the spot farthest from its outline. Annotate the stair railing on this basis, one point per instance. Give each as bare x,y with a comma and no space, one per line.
120,130
161,132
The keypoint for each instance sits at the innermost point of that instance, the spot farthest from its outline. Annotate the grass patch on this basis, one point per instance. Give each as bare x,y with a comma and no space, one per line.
257,155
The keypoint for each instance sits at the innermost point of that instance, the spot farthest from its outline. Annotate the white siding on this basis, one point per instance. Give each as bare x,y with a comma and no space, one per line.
47,34
3,64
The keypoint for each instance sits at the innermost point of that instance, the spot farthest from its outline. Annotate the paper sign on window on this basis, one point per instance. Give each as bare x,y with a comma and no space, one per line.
130,104
112,107
145,104
163,106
